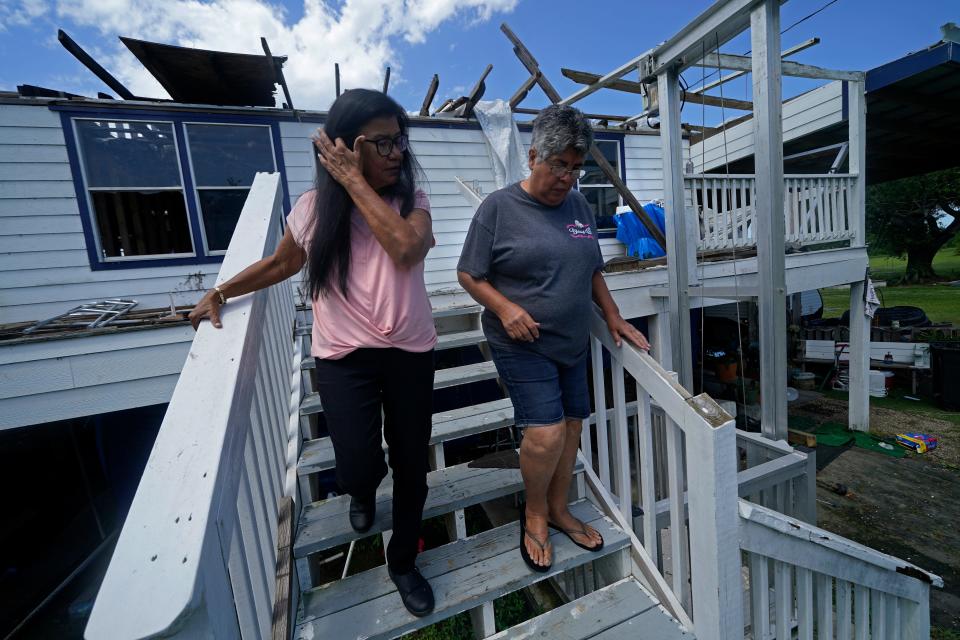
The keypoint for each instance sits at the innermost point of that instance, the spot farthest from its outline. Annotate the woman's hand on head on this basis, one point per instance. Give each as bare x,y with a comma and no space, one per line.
518,323
344,165
207,309
620,328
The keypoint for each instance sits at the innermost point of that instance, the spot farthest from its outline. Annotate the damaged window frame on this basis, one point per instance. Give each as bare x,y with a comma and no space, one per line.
178,120
81,162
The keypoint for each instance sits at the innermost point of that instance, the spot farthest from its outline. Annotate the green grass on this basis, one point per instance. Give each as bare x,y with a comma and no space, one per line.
897,402
941,302
946,264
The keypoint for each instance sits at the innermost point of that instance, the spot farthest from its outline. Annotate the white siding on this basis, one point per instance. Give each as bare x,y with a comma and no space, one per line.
44,268
809,112
46,380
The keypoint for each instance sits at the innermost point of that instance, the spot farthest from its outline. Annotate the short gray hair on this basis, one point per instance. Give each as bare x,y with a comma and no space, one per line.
556,129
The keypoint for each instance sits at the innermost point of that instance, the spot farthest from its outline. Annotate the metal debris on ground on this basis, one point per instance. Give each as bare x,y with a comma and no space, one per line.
87,316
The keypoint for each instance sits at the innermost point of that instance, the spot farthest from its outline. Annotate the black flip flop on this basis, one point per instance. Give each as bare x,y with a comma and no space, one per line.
581,532
523,547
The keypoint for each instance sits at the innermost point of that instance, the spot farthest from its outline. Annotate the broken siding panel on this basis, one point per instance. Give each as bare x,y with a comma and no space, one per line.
811,111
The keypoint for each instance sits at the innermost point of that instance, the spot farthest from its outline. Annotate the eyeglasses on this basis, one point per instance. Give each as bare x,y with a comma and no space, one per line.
559,171
385,145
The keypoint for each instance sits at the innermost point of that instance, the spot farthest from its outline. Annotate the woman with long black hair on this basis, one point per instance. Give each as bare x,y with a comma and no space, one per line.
363,234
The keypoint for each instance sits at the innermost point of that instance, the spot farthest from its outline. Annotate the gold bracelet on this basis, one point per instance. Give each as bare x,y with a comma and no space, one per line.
223,298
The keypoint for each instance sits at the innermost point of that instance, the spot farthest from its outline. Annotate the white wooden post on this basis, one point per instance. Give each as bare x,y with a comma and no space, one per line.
857,108
679,271
658,333
859,393
714,542
768,207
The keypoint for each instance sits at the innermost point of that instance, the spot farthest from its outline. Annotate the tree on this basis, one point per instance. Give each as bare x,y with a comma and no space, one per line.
915,217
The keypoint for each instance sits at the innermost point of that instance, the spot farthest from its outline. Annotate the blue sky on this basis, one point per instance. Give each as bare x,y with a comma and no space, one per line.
454,38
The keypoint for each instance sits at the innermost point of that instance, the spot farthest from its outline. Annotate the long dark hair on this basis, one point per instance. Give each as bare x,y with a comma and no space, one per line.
329,261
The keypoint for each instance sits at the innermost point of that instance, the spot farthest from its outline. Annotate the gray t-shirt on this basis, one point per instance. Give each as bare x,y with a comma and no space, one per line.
541,258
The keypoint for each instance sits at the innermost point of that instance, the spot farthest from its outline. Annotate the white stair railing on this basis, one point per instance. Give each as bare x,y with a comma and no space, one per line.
692,570
197,553
817,209
809,581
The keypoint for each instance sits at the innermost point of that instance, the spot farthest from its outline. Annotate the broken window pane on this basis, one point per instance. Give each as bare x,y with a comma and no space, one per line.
132,173
141,223
128,154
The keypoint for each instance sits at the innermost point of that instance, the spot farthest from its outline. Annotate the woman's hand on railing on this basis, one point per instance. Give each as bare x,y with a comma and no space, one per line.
207,309
620,328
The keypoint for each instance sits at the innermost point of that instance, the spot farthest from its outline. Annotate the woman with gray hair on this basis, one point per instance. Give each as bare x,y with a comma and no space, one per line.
532,259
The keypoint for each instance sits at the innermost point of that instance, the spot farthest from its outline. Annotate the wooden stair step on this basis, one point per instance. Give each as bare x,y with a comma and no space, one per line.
464,574
606,613
460,339
445,341
466,374
443,378
325,523
317,455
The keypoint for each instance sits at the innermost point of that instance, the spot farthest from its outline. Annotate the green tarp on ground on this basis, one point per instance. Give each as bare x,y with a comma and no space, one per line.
834,434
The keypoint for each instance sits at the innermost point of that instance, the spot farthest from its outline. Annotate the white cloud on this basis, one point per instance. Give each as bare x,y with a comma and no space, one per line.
359,34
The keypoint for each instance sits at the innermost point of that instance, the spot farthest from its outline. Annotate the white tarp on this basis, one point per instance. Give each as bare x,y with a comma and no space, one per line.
508,155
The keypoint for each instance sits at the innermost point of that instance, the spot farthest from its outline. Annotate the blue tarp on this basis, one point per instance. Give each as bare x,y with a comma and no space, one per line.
631,232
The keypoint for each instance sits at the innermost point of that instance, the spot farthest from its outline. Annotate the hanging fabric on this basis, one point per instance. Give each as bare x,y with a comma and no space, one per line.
506,151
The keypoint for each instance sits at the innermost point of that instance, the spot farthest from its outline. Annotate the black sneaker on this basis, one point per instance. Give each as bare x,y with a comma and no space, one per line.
362,513
415,591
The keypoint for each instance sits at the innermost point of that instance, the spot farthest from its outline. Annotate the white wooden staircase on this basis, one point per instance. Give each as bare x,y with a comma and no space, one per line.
470,572
698,543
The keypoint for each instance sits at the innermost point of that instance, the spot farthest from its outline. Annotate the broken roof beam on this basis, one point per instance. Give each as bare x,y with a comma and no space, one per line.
803,46
87,60
591,116
795,69
277,71
630,86
533,68
431,92
477,92
521,94
603,81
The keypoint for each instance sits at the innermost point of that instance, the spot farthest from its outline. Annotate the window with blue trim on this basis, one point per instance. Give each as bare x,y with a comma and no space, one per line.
225,159
601,194
134,188
141,187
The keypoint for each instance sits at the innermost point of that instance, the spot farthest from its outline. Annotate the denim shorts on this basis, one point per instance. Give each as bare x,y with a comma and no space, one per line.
543,392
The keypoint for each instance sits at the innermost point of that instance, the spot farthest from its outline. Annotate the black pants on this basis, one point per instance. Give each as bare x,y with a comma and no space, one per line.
353,391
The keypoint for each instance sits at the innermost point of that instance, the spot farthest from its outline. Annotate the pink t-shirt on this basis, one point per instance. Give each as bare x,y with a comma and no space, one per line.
386,306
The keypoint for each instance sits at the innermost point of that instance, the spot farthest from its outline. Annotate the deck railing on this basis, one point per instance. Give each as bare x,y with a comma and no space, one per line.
684,569
197,553
817,209
670,477
809,581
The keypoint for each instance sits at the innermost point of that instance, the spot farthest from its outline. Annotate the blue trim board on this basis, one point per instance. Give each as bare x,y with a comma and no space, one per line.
186,179
911,65
86,220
